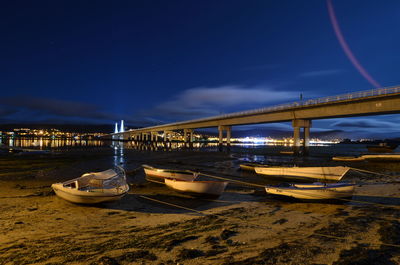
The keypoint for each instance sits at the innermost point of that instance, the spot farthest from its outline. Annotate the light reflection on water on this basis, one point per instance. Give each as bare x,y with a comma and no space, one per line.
253,152
119,159
48,143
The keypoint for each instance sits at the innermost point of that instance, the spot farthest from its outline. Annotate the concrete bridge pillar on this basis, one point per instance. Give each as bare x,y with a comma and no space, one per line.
306,142
188,135
296,139
165,136
185,132
297,124
228,136
168,136
191,139
154,136
221,136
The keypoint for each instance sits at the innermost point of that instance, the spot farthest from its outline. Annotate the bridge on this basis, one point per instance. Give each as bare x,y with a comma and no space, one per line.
300,113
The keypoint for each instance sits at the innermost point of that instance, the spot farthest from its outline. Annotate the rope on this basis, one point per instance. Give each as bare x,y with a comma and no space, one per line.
230,180
264,227
171,204
293,191
347,239
299,192
370,172
133,170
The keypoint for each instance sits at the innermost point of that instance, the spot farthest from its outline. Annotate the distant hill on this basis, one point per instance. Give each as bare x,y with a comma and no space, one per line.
80,128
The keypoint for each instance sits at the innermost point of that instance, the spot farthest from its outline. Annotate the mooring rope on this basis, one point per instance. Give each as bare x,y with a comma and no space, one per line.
370,172
299,192
172,204
230,180
265,227
358,241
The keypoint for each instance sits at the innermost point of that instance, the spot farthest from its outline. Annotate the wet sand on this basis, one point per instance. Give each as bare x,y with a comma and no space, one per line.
243,226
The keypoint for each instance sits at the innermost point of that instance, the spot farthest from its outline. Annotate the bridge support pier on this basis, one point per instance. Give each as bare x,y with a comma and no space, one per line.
306,143
221,136
165,136
297,124
167,139
188,136
154,136
191,137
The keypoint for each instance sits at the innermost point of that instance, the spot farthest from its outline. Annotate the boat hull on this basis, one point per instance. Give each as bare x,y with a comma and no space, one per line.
316,173
348,158
382,157
88,197
249,166
314,192
159,175
198,188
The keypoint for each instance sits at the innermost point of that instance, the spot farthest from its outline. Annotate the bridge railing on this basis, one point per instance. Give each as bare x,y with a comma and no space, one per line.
310,102
296,104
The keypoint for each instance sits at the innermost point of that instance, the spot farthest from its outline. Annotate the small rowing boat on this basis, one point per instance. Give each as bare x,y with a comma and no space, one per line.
158,175
207,188
319,173
96,187
382,157
314,191
348,158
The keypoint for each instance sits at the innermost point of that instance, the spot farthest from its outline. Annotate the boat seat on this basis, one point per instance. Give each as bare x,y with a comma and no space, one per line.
98,183
82,182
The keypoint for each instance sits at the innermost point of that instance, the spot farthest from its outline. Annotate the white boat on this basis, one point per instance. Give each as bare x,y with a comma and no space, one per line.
314,191
197,187
158,175
322,173
96,187
382,157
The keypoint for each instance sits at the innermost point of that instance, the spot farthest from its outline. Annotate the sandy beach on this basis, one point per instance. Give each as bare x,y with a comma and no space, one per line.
154,225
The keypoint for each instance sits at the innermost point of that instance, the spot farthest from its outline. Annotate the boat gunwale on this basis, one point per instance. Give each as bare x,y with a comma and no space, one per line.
198,181
90,194
180,171
293,187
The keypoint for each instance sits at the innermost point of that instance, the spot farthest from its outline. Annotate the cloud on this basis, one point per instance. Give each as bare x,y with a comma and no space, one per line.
5,111
370,123
47,110
208,101
319,73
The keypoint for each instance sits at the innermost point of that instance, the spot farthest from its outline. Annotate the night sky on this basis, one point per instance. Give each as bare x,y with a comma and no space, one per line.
151,62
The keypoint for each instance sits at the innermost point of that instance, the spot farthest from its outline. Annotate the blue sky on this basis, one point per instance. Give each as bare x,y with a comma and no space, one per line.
151,62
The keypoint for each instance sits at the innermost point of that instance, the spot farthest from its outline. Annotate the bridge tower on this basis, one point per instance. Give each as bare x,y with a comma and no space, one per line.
116,127
122,126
